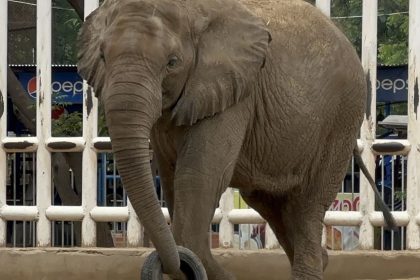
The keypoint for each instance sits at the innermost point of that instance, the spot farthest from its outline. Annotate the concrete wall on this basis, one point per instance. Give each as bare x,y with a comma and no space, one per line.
124,264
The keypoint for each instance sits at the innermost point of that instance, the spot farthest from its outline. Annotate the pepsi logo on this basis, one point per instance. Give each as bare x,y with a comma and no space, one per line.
31,87
69,88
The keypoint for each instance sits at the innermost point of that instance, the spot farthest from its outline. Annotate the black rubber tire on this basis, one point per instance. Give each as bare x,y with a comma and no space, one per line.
191,266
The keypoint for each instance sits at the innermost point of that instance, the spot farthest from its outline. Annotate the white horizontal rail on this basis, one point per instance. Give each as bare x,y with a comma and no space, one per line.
109,214
342,218
217,216
20,144
19,213
65,213
236,216
65,144
102,144
245,216
401,218
333,218
391,147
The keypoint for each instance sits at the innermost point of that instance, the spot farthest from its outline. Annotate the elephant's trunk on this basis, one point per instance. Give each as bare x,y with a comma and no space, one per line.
131,110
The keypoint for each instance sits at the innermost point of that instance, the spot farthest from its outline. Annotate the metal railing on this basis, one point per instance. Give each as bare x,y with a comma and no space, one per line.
89,213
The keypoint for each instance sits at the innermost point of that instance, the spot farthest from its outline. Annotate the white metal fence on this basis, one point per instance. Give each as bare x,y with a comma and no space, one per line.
44,214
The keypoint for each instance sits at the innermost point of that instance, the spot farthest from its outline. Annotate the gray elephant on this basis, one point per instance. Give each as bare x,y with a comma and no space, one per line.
265,96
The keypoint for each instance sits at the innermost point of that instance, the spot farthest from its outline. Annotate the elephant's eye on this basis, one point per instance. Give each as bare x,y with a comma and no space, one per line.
173,62
101,55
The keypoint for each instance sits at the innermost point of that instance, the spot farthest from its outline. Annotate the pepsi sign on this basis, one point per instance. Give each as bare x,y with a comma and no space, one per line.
392,84
67,87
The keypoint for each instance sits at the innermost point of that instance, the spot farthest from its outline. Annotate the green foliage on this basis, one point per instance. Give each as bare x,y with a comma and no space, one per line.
66,25
21,41
68,125
102,128
400,195
345,14
22,35
72,124
393,43
392,27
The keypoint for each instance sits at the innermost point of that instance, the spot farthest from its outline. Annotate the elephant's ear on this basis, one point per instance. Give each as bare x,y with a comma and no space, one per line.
91,66
231,50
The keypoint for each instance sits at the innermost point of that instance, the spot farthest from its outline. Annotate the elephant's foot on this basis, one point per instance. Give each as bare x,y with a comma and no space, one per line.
179,276
305,276
216,272
324,259
307,266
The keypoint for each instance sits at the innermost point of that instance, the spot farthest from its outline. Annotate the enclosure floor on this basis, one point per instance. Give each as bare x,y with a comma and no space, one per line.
122,264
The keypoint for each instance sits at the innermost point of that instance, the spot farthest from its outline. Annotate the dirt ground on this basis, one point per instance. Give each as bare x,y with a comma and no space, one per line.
125,264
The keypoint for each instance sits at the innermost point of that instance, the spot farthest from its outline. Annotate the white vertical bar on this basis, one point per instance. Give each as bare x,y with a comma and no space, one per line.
135,231
53,238
114,192
324,6
324,236
135,234
72,235
270,238
352,181
43,120
413,168
226,227
382,194
33,223
3,113
368,130
89,161
394,158
403,199
14,197
62,233
24,195
403,159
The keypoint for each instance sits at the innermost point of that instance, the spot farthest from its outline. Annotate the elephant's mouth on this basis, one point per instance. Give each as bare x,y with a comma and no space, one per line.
173,105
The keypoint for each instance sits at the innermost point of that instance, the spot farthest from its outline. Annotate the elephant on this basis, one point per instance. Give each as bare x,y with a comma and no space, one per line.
264,96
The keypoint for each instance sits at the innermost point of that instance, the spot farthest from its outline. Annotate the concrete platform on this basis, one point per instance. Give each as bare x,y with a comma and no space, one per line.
124,264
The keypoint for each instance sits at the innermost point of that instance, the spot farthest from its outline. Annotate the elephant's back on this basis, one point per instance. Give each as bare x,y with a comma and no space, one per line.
299,28
309,50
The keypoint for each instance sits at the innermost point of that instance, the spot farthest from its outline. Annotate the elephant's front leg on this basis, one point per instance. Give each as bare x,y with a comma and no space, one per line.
203,171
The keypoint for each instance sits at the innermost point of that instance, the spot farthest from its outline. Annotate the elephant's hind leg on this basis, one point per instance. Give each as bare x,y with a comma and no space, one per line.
270,209
298,228
304,222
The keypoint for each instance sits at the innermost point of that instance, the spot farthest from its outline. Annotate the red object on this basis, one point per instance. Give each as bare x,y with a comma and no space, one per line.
57,112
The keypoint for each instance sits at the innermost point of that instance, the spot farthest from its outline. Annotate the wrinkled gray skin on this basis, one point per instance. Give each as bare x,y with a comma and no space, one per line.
226,106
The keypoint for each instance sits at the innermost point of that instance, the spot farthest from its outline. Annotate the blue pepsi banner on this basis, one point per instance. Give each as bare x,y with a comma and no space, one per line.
392,84
67,86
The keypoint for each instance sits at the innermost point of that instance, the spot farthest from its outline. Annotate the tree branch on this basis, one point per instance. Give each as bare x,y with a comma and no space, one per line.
22,102
78,6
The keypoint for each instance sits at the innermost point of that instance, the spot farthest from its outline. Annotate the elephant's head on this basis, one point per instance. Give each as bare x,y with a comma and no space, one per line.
191,59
